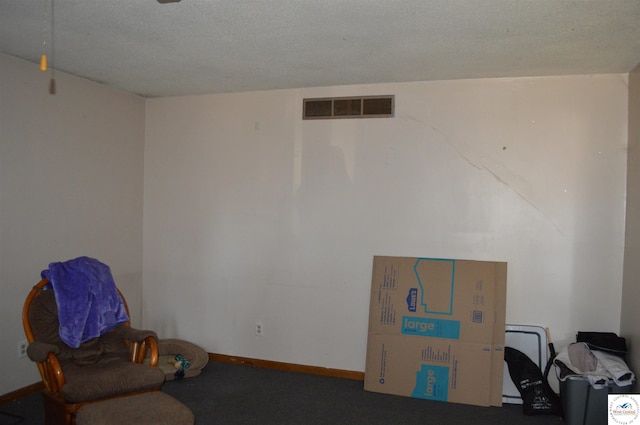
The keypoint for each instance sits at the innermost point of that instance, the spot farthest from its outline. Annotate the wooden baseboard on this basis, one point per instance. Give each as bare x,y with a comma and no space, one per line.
20,393
291,367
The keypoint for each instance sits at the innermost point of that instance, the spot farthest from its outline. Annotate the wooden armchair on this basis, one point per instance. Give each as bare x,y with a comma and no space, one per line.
105,367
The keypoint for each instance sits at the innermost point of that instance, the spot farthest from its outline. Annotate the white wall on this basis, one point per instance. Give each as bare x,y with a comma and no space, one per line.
70,185
252,214
630,318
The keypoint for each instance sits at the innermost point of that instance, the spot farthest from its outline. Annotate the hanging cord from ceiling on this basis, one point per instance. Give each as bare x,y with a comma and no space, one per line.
47,34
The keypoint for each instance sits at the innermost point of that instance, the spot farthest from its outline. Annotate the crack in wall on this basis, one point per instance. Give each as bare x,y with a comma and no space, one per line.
495,175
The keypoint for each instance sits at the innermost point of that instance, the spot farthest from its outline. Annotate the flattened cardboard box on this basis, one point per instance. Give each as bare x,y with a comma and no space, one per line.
429,368
453,299
445,299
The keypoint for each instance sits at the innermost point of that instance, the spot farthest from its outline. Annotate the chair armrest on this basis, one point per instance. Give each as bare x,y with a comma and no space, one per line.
44,354
140,353
139,342
136,335
38,351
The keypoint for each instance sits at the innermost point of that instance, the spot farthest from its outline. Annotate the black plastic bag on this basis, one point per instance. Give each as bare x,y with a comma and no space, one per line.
608,342
537,396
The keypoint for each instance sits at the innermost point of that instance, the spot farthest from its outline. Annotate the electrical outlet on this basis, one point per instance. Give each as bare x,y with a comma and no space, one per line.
22,348
259,329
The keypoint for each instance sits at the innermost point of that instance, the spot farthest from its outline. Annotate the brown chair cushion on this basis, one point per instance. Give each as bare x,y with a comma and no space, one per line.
97,369
43,316
111,376
154,408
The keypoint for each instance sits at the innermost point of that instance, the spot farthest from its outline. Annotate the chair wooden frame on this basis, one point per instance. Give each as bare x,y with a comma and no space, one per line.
57,410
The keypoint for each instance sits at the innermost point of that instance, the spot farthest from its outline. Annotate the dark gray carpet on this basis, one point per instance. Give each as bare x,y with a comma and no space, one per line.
241,395
226,394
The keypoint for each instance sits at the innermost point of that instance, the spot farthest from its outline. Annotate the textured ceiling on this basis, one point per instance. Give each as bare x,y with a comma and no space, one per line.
198,46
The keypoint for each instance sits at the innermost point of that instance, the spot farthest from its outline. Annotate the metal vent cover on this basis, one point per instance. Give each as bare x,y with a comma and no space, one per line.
348,107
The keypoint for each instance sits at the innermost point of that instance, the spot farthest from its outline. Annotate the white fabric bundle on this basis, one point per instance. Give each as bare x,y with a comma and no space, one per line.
596,366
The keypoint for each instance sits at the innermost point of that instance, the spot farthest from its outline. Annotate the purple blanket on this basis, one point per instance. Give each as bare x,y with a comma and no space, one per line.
88,301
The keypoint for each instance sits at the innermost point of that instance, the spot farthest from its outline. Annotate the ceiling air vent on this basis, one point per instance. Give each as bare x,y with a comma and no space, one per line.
348,107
